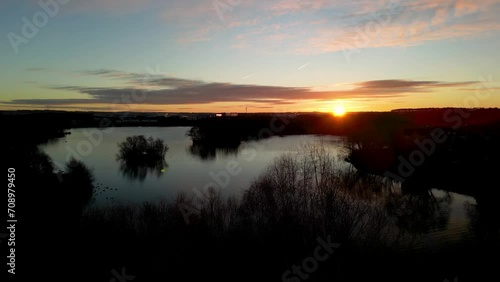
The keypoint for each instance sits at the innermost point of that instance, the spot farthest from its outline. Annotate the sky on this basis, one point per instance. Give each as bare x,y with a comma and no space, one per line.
248,55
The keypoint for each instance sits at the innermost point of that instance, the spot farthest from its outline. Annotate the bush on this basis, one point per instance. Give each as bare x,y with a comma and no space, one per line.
138,148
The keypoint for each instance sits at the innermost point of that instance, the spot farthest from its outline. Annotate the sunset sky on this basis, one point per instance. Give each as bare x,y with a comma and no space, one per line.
267,56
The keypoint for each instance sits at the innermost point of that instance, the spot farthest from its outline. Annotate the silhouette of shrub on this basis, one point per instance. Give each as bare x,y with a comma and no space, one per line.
78,179
139,155
140,148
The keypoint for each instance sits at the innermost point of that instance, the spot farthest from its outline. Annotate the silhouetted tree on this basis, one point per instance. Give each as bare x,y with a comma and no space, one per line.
139,155
140,148
78,180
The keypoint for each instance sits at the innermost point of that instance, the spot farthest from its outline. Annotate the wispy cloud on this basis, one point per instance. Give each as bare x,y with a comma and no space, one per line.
373,23
399,84
180,91
294,6
303,66
325,26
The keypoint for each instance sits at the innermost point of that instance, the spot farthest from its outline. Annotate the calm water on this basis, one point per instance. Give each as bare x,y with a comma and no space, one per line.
187,171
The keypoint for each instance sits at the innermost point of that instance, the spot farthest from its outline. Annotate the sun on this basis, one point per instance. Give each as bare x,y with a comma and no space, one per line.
338,110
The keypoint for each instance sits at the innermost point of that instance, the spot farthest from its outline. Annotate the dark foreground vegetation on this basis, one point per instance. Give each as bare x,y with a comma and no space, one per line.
367,228
371,230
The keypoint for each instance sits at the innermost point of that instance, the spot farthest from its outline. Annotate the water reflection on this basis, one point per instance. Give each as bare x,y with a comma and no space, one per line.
134,170
208,152
406,202
420,212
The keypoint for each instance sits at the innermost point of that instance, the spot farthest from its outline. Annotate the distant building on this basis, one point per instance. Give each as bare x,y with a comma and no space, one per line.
226,115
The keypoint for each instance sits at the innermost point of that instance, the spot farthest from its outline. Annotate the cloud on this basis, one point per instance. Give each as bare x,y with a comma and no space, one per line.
463,7
201,34
413,23
398,84
295,6
288,6
154,78
181,91
113,74
440,16
362,24
99,72
326,25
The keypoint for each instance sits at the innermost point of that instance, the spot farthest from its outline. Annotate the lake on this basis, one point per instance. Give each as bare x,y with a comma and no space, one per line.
188,171
185,170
